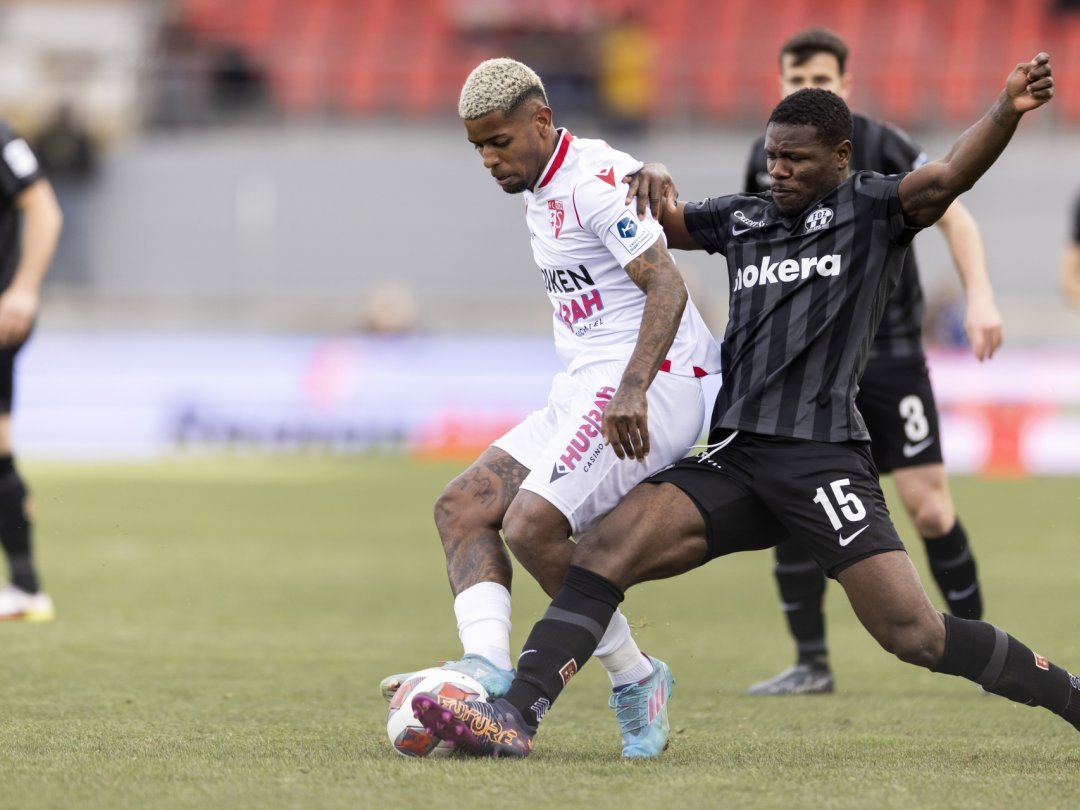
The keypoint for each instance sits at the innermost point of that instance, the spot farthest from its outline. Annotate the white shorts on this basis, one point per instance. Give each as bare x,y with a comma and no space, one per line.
563,447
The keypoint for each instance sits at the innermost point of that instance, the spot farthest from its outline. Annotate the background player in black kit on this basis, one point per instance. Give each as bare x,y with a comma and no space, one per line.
1070,259
895,396
811,265
30,223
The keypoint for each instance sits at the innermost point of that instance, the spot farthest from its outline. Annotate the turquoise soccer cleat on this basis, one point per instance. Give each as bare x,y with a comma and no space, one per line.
496,681
642,712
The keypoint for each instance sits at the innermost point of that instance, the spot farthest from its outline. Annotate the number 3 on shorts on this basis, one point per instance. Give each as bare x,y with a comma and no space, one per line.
848,502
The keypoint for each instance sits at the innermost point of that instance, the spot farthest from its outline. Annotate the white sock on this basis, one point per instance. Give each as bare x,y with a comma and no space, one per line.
618,653
483,621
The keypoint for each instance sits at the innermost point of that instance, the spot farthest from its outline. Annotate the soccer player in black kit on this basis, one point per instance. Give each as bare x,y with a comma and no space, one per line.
811,265
895,396
30,222
1070,259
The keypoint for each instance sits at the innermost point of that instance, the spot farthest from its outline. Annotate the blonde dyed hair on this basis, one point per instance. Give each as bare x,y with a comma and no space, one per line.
499,84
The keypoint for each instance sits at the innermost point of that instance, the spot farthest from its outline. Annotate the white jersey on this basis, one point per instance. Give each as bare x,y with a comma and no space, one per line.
583,235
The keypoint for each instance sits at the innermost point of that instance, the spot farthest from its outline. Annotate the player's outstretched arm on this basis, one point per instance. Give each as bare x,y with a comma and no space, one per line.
929,190
982,320
625,424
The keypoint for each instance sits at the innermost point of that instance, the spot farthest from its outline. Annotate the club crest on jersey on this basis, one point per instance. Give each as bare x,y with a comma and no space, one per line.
555,210
819,220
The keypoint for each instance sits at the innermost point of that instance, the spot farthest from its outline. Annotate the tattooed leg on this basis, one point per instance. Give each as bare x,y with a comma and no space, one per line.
469,515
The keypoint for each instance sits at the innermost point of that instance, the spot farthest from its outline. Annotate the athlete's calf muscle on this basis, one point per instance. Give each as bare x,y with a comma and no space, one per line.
468,516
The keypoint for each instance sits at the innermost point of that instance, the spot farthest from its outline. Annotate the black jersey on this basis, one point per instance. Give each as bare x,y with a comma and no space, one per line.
807,294
1074,232
19,169
885,149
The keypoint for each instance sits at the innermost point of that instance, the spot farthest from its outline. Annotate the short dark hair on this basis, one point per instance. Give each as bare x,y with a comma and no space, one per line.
811,41
824,111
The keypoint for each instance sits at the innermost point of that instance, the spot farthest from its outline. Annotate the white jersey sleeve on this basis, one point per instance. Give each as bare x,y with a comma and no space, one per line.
603,211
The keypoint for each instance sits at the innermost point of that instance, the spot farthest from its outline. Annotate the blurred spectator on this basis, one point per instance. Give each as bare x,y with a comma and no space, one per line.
68,157
180,88
627,56
238,86
566,59
390,310
1070,260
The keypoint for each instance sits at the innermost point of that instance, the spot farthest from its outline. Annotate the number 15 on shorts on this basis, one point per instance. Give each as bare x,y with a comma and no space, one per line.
841,505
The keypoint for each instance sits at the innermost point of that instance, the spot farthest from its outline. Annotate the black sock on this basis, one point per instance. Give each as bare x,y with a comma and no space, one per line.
562,641
991,657
953,567
15,527
801,583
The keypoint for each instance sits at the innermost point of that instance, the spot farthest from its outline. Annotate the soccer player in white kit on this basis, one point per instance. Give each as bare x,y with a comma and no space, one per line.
629,402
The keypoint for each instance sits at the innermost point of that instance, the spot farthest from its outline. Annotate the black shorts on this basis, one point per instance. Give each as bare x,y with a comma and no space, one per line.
7,376
897,402
761,490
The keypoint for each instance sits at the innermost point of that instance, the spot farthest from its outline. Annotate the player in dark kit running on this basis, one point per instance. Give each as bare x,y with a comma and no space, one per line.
811,265
30,223
895,396
1070,259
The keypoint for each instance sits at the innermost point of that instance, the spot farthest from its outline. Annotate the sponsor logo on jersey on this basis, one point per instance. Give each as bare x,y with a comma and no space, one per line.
818,220
632,236
567,279
747,222
581,308
608,176
557,214
582,440
786,270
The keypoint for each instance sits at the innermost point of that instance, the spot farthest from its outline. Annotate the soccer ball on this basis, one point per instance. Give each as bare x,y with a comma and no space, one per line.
407,735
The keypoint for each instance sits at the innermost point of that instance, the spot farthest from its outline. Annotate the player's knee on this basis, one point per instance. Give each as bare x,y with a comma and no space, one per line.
934,516
540,544
529,532
914,642
454,510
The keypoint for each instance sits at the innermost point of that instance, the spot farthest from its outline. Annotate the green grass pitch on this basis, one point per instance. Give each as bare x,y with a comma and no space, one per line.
223,625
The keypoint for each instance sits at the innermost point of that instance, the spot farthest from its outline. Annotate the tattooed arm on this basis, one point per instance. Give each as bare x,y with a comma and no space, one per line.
626,426
929,190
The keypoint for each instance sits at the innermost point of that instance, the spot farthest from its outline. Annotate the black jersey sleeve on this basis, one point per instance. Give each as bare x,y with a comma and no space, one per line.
1076,221
19,166
707,220
883,194
899,152
757,172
